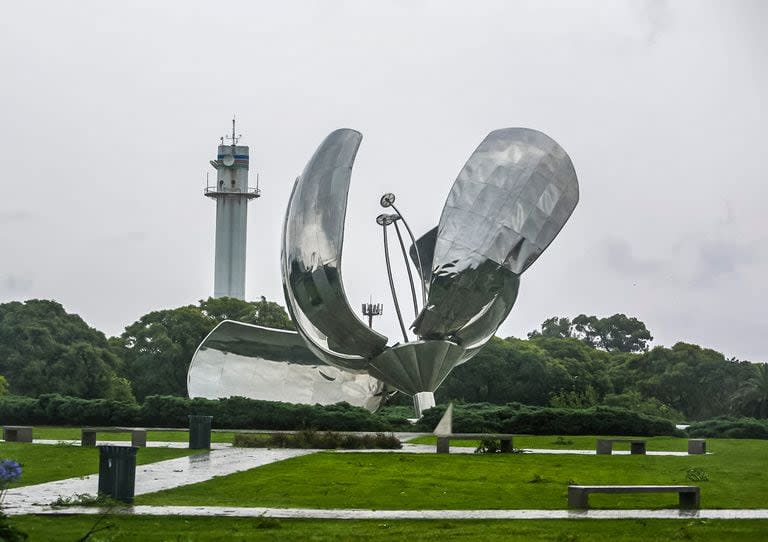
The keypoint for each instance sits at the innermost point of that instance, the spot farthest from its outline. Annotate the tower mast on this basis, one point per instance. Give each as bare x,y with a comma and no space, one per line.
232,195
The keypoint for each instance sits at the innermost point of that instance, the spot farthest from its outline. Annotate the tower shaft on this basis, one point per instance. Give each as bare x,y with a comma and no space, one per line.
232,194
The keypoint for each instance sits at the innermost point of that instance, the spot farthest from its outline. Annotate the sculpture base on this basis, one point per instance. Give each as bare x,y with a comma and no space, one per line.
422,401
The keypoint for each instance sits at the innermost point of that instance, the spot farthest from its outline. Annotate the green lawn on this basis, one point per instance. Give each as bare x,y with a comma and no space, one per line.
578,442
46,462
138,528
737,471
73,433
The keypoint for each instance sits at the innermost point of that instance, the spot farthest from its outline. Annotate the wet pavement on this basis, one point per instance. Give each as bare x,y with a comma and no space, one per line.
315,513
150,444
151,477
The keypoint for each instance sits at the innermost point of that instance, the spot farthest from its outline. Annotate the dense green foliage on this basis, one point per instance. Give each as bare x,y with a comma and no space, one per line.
730,428
529,420
685,381
171,411
569,363
43,349
319,440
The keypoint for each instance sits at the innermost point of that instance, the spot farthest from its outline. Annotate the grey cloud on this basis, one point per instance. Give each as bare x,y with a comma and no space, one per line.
15,284
658,18
618,255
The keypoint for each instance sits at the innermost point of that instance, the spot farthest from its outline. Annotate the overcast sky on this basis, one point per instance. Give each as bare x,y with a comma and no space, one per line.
109,113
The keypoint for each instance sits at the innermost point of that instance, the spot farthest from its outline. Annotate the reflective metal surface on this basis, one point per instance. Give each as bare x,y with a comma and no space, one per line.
238,359
313,236
508,203
416,366
510,200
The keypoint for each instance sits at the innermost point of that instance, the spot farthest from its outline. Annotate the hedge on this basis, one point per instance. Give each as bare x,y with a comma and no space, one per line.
730,428
531,420
170,411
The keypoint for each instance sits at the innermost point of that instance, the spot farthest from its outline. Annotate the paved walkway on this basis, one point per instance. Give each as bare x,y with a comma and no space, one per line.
224,460
315,513
151,477
150,443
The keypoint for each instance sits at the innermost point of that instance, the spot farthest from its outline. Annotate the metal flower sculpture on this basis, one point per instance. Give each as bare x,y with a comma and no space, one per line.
509,202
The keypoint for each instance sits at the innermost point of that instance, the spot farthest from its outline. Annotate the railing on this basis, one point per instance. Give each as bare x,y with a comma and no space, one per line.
250,191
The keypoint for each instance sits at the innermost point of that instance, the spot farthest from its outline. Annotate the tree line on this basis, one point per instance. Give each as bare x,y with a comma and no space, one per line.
581,362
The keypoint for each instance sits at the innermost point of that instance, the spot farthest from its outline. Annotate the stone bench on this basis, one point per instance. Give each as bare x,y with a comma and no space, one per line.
605,446
443,441
138,435
697,446
17,433
578,495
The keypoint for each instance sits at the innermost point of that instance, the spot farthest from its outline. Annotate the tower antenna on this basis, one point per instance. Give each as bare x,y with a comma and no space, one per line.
235,137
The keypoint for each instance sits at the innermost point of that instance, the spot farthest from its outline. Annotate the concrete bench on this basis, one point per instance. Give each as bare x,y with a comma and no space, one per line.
578,495
17,433
697,446
605,446
138,435
444,441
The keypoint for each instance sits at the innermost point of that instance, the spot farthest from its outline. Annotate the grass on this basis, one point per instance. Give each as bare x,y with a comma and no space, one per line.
73,433
737,472
577,442
45,462
140,528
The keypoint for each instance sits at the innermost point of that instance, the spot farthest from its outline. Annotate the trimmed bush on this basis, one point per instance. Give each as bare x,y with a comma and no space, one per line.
530,420
171,411
729,428
328,440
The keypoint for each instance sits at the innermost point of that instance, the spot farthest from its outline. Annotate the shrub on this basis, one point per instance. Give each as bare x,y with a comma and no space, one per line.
517,418
729,428
172,411
327,440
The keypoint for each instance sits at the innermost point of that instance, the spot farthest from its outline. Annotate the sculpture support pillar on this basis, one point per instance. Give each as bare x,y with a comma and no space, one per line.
422,401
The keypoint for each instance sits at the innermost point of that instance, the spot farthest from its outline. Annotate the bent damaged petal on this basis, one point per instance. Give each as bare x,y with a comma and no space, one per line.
511,199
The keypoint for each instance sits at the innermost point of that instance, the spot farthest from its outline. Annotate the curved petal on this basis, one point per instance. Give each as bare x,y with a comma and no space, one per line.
313,235
510,200
246,360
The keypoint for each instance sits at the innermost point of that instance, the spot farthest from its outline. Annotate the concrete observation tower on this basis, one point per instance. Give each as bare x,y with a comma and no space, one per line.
232,195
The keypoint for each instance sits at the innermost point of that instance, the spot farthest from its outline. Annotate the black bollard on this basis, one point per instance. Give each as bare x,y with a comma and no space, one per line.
200,432
117,472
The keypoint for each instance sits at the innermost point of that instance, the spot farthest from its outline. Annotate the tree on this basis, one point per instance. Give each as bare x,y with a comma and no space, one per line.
264,313
752,396
553,327
44,349
617,333
696,381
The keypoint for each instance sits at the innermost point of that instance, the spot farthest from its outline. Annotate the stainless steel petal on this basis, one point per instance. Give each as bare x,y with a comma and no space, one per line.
510,200
313,236
245,360
416,366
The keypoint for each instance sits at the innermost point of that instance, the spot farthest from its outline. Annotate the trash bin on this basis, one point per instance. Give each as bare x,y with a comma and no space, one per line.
200,432
117,472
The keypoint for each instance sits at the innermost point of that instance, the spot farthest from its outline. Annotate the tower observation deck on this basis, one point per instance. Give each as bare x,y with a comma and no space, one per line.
232,195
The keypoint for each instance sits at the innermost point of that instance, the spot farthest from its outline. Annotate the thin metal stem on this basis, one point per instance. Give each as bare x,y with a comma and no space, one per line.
408,267
418,256
392,284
